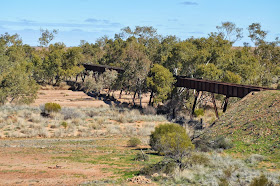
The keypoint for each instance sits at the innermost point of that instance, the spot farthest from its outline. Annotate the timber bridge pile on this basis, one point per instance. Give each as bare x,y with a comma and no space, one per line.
227,89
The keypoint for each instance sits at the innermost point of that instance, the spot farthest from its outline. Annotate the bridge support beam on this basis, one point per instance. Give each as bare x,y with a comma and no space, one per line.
225,104
215,106
195,100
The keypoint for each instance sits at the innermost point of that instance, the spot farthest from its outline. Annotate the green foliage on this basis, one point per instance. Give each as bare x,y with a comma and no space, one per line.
46,36
230,32
209,71
133,142
52,107
231,77
64,124
171,140
199,112
261,181
16,82
97,83
160,82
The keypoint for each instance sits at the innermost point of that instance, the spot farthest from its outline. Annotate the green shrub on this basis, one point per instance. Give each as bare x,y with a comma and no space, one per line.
171,140
133,142
223,182
64,124
199,112
261,181
52,107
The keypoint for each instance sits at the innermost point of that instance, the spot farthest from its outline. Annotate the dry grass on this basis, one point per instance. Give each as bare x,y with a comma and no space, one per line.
27,122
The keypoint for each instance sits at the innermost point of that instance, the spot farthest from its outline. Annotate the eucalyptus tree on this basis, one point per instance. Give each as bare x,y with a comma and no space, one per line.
16,82
46,37
230,32
160,82
137,66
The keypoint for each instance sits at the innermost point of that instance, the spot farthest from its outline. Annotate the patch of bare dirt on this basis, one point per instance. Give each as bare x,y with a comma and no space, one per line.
67,98
26,166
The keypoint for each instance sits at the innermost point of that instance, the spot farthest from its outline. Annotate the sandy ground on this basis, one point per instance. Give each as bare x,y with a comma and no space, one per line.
26,162
69,98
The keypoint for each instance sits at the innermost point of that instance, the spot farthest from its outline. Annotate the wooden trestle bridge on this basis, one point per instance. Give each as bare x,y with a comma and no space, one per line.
227,89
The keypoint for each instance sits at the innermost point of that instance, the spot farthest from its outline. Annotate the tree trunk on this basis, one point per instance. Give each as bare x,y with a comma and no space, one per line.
140,97
133,100
120,97
151,96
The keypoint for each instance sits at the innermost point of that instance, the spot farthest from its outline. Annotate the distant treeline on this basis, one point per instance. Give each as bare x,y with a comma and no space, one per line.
150,60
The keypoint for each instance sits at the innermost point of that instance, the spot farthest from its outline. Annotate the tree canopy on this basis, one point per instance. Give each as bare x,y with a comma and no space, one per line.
149,59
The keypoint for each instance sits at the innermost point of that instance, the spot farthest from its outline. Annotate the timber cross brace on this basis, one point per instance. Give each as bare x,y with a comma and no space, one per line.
227,89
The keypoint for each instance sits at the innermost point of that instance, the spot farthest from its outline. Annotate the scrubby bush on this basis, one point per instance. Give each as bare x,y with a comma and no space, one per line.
255,158
64,124
70,113
197,159
222,143
206,144
149,110
261,181
171,140
52,107
133,142
141,156
166,166
199,112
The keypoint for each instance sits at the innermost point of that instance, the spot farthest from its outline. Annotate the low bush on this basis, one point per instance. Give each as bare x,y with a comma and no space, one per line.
133,142
170,139
222,143
197,159
198,112
206,144
255,158
166,166
261,181
149,110
70,113
64,124
141,156
52,107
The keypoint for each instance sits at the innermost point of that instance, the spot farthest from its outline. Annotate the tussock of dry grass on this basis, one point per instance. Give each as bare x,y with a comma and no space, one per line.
27,122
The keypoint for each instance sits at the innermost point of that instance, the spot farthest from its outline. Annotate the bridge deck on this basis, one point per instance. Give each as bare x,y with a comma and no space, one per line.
101,68
227,89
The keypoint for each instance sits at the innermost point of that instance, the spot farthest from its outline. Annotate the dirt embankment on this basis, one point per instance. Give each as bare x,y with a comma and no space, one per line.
253,124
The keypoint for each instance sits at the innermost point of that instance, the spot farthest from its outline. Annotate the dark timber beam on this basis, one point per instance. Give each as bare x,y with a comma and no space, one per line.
225,104
101,68
215,106
195,100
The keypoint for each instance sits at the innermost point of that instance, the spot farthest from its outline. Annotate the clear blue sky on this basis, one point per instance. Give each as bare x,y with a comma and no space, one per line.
91,19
